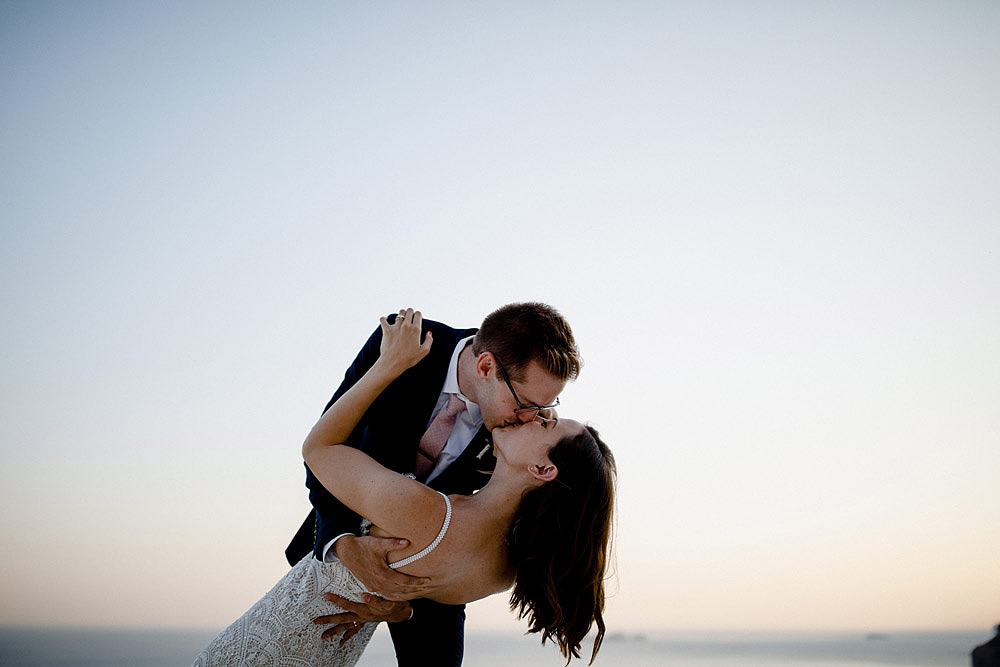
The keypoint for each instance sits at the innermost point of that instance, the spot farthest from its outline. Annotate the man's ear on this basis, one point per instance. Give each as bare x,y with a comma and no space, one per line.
484,362
544,472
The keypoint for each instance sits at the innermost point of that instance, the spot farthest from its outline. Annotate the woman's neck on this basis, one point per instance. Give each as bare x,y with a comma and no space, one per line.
499,500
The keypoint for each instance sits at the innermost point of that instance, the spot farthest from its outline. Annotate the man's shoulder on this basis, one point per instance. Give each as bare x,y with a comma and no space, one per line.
446,339
441,329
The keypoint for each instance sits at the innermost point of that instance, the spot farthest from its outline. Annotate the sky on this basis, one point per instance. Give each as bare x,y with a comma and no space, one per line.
773,227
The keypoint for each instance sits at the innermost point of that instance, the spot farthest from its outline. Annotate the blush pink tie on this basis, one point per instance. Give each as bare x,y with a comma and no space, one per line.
436,436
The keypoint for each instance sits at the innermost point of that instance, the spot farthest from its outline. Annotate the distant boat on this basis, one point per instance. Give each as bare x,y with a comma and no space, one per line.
876,636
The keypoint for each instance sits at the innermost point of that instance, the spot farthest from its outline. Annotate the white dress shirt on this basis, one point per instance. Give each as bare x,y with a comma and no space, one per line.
467,422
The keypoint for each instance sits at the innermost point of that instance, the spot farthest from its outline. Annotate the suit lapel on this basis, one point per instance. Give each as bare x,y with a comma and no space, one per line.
471,470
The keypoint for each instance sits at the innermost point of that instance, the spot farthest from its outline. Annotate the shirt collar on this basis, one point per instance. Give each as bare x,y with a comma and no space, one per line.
451,379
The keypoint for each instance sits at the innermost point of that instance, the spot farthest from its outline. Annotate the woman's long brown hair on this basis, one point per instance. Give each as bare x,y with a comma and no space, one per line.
559,544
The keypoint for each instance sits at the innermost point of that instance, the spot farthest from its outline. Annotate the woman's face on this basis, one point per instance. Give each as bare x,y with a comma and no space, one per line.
529,444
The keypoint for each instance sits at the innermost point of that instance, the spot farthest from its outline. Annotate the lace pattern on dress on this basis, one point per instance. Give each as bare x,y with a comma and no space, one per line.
279,630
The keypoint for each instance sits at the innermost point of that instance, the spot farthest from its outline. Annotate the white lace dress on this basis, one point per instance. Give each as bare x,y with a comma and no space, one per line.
278,630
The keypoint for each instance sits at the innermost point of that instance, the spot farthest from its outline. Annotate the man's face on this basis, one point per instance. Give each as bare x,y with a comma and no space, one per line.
497,403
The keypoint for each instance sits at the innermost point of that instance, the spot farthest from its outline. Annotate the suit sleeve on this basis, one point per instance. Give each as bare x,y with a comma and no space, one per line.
337,519
342,519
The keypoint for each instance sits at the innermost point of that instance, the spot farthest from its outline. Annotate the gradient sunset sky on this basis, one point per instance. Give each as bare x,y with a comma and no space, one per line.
774,227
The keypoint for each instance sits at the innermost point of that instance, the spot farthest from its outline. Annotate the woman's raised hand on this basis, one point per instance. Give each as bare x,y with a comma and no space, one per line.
401,347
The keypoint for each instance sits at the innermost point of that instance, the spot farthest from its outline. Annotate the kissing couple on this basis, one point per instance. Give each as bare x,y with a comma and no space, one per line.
440,474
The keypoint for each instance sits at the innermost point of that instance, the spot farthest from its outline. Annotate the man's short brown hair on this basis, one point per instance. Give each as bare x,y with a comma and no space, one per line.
520,333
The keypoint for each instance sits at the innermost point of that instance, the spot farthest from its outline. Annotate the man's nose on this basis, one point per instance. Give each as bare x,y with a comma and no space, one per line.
525,416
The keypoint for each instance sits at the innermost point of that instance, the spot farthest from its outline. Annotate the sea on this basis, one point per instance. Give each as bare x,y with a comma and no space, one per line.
62,647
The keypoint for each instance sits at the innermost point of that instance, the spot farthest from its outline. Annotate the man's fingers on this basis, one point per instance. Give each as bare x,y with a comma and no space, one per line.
347,605
413,584
387,544
398,597
410,582
394,583
396,579
336,619
377,603
342,628
351,631
402,593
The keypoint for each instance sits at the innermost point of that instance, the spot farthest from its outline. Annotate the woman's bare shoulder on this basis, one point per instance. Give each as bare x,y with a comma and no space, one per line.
410,510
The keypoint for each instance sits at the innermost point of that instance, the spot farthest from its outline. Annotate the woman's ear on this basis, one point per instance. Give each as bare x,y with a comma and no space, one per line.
544,472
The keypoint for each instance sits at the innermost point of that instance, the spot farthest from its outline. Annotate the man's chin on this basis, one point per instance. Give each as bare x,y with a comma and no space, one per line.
501,426
491,424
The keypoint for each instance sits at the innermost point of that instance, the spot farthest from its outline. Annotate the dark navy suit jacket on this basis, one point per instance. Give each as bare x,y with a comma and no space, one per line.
389,432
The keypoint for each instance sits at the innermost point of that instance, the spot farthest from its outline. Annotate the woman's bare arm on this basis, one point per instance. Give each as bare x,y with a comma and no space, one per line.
401,349
386,498
398,505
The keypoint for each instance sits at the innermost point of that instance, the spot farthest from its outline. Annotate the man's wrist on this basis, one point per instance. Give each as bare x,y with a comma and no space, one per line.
330,550
408,618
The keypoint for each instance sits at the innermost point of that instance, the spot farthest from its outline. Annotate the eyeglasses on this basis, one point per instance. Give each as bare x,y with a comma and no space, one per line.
522,410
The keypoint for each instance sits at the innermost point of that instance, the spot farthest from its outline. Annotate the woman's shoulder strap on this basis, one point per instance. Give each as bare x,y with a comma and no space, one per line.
433,545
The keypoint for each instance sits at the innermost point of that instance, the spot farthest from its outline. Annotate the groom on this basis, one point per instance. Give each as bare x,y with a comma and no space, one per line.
435,421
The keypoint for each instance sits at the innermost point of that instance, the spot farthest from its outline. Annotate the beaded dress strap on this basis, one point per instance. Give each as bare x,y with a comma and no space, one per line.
437,540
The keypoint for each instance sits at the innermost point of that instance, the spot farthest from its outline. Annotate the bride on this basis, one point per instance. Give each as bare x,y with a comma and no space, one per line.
541,524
